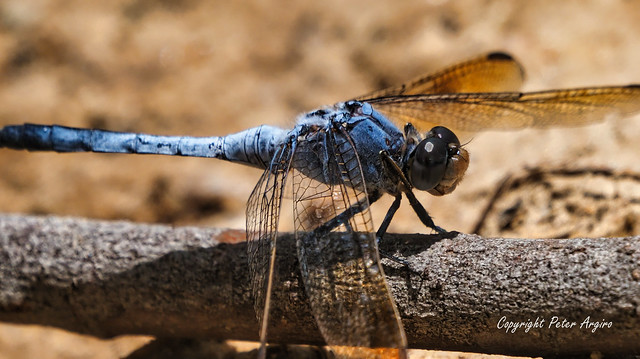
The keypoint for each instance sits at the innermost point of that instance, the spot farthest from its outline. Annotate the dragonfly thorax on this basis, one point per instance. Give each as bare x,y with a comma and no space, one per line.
351,132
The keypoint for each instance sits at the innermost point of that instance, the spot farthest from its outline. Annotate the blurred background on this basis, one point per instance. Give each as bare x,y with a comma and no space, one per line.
204,68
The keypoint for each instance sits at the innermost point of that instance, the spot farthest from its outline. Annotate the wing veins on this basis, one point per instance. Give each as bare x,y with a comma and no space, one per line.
339,256
536,109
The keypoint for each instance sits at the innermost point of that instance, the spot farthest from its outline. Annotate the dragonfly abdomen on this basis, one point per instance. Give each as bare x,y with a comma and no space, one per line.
254,146
69,139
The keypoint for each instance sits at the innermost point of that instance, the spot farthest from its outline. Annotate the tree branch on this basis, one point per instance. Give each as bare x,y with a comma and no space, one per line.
114,278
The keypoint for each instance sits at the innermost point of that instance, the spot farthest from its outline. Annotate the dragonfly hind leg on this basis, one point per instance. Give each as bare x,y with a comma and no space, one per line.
383,229
388,217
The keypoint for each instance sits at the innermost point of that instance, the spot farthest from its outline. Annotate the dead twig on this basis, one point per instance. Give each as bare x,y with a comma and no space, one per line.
462,292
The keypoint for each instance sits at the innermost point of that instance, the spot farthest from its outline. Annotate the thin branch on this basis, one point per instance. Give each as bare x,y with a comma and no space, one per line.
114,278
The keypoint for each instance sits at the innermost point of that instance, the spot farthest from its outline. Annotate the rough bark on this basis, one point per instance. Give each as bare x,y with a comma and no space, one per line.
114,278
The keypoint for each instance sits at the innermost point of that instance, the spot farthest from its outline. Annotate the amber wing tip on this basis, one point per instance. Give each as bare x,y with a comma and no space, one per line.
499,55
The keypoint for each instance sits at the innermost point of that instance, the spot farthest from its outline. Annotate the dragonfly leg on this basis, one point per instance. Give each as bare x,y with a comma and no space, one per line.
393,258
406,187
383,229
346,215
425,218
388,217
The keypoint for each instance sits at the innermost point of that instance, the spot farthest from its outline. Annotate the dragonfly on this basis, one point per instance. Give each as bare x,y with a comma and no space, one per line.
338,160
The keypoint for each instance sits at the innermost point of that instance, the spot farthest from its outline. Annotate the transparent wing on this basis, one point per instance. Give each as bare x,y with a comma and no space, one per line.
493,72
263,213
337,250
511,110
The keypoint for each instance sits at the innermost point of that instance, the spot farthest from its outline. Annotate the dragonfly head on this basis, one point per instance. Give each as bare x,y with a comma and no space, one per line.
438,163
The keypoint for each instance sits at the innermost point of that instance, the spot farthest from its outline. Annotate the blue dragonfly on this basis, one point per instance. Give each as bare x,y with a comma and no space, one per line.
338,160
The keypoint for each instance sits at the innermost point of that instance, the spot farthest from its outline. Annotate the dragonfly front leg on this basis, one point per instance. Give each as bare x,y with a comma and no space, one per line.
407,188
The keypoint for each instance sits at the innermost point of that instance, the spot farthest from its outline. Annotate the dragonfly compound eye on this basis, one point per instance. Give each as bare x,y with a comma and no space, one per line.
429,163
445,134
438,162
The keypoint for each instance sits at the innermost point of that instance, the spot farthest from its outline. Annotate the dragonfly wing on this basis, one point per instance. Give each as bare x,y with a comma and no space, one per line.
493,72
338,253
263,213
512,110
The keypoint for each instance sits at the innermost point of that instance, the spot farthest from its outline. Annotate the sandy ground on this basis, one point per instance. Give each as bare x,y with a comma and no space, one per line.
215,67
